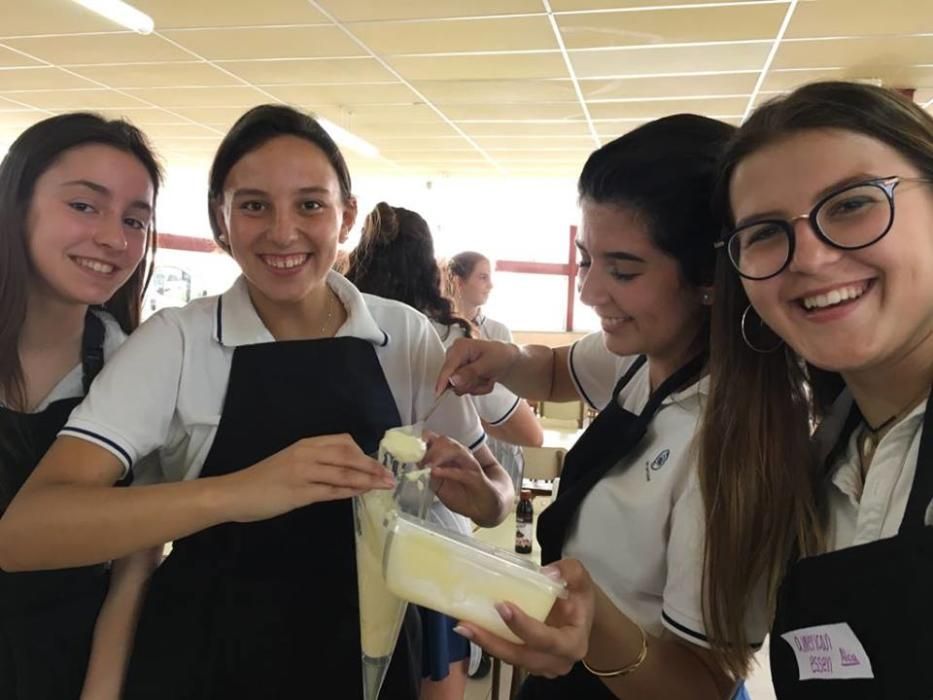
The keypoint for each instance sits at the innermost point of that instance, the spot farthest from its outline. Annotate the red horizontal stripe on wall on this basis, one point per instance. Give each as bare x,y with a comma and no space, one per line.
195,244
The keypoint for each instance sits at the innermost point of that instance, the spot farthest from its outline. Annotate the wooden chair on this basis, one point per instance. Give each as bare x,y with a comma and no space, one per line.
562,415
543,463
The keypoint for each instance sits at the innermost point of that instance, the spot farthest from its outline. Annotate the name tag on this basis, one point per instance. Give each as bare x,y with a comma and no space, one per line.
829,652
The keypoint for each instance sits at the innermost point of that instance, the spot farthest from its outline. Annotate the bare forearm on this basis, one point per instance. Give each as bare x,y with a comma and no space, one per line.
672,670
522,428
116,625
540,373
62,525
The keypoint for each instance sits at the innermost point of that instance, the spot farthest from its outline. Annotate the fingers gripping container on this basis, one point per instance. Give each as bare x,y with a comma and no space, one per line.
463,578
381,612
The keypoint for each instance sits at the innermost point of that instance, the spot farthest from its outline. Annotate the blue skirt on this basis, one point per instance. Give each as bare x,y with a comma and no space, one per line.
440,645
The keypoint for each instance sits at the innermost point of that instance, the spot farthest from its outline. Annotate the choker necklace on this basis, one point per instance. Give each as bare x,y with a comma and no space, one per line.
871,436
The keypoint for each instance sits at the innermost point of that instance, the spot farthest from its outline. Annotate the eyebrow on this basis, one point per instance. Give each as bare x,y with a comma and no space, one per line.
612,255
829,189
105,191
255,192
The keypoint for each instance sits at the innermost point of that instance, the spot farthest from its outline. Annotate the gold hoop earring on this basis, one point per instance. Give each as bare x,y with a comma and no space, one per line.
761,326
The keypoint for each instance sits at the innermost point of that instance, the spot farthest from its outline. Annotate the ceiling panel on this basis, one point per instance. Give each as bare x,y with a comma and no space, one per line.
515,111
217,117
566,128
613,128
266,42
543,143
493,91
310,71
173,14
144,117
374,131
867,51
500,34
659,108
144,75
344,94
41,78
201,97
653,61
99,48
369,10
75,99
897,76
584,5
839,18
654,86
182,131
481,67
730,23
9,58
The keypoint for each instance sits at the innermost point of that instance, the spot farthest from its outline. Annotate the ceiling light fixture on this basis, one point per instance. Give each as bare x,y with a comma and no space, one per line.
121,13
351,141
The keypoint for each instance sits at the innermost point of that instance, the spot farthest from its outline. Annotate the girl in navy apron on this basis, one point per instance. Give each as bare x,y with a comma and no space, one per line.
395,259
824,316
628,507
77,198
263,404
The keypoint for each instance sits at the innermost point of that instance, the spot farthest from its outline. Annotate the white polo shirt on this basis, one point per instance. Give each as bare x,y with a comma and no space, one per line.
492,329
496,407
640,531
862,512
164,389
72,384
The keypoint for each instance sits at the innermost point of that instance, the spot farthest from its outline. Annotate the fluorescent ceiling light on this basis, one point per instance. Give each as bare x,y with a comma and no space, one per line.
351,141
121,13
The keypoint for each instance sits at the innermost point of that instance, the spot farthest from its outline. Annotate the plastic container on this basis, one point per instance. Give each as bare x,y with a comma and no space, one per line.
461,577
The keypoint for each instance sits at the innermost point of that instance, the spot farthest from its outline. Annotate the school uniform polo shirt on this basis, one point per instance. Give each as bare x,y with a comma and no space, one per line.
640,531
496,407
492,329
164,389
865,511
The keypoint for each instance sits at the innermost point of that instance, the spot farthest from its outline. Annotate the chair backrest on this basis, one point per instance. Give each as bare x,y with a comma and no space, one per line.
562,414
543,463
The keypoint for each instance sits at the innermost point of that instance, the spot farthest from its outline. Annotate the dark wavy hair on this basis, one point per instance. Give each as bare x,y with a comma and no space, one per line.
36,150
395,260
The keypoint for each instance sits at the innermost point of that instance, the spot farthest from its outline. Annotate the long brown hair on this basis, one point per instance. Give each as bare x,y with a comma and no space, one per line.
759,474
32,153
395,260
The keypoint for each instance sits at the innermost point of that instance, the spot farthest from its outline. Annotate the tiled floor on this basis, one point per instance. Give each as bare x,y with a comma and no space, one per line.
759,684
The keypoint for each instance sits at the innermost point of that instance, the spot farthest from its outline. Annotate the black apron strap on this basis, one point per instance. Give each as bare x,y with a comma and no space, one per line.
92,349
627,432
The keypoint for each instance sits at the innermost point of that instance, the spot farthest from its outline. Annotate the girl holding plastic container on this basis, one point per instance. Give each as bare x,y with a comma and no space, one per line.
824,315
77,199
263,404
629,505
395,259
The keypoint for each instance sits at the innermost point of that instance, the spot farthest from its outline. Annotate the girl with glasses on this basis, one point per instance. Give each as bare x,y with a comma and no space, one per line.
823,319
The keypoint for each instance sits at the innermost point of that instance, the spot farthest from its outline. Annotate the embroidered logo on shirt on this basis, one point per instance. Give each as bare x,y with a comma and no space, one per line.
829,652
657,463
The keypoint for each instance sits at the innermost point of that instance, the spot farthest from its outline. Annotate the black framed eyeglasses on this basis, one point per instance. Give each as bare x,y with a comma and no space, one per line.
854,217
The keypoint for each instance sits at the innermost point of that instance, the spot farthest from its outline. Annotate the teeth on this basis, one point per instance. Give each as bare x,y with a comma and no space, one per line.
836,296
285,262
96,266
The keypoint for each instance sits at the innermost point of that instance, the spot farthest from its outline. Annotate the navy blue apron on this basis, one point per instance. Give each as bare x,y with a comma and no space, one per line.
269,609
47,618
614,434
882,590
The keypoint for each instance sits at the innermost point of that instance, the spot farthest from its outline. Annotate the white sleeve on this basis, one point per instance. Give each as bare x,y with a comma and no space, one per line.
682,611
496,407
595,370
130,406
455,416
